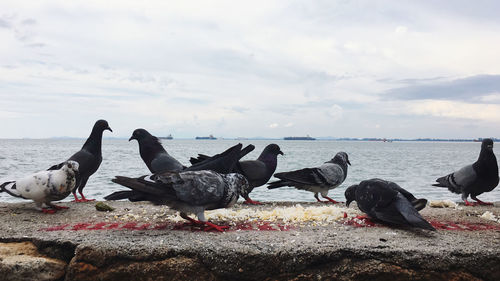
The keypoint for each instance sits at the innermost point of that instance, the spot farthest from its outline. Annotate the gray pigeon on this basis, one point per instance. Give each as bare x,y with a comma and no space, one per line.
89,158
474,179
381,201
319,179
45,186
190,192
259,171
153,154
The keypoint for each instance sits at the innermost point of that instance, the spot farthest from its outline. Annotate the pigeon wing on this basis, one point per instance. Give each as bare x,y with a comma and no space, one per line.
255,171
401,212
165,162
200,188
326,174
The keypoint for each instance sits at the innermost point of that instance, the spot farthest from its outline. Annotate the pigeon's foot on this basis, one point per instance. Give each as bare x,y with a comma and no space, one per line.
49,211
484,203
251,202
209,226
467,203
85,199
331,200
360,217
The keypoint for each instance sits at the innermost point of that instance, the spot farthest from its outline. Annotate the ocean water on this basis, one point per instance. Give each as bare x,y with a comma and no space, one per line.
413,165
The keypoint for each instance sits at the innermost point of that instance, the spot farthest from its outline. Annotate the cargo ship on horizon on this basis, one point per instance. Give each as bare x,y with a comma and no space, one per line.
299,138
210,137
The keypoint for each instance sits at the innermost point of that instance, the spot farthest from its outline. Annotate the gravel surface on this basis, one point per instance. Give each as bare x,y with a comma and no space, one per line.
465,243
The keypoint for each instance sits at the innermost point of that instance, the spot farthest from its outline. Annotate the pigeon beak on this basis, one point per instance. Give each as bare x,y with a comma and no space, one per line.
109,129
281,152
348,162
132,138
348,202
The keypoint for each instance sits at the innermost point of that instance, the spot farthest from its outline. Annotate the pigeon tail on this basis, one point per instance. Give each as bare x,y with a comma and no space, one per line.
448,181
249,148
277,184
11,190
410,214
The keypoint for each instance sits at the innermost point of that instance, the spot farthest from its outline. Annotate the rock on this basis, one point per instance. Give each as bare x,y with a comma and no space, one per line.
22,261
102,207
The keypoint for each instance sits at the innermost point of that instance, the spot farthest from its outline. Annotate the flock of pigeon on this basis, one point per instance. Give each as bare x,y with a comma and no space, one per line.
217,181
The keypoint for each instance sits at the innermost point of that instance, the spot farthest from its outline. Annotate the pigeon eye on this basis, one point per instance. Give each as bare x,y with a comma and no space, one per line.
70,166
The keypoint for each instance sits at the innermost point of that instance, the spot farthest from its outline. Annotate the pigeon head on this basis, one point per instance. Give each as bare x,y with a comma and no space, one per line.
140,135
101,125
71,165
273,149
341,158
487,144
350,194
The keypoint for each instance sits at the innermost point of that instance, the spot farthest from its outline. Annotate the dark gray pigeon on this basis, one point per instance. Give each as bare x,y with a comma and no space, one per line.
89,158
474,179
259,171
190,192
153,154
319,179
45,186
380,200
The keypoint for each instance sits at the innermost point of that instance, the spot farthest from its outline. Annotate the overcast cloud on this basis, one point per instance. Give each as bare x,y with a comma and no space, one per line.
251,68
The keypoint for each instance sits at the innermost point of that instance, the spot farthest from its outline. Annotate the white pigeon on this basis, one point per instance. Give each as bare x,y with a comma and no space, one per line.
45,186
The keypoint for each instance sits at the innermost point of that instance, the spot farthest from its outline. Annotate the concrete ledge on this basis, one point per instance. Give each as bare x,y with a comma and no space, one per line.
127,244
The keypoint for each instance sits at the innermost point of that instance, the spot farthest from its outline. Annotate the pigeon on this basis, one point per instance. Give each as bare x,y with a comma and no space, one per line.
189,192
259,171
153,154
382,201
474,179
319,179
89,158
45,186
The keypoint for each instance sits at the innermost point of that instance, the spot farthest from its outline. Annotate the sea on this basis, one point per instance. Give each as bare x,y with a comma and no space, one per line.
412,165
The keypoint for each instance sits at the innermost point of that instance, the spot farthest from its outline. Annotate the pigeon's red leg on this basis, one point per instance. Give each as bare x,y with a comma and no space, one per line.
85,199
331,200
220,228
467,203
359,217
251,202
76,198
317,198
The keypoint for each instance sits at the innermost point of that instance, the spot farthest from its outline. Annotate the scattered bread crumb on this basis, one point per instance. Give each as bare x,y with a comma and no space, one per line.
442,204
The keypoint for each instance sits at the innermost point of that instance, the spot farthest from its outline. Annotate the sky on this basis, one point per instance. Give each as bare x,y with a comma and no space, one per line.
389,69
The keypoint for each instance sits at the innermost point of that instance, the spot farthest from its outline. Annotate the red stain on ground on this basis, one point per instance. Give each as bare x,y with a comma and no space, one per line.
458,226
252,226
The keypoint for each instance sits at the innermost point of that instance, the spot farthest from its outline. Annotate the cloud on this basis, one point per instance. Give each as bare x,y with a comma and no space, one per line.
457,110
479,88
273,125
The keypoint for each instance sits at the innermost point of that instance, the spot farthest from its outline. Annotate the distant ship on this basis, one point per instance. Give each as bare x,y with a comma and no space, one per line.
299,138
210,137
169,137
